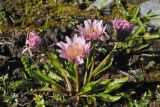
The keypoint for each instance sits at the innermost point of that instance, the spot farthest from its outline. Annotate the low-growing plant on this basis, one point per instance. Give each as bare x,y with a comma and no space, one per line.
79,78
143,102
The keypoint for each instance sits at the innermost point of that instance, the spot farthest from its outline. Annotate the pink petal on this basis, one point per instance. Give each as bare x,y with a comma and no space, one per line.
87,23
58,50
25,50
79,60
68,40
61,45
79,27
75,38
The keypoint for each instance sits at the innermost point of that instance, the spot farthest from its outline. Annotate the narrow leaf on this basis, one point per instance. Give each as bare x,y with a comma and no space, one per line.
106,67
112,88
148,36
88,87
119,81
105,82
108,98
40,76
116,84
140,47
103,64
55,76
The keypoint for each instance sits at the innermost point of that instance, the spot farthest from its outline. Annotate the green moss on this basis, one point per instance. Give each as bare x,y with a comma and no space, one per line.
27,13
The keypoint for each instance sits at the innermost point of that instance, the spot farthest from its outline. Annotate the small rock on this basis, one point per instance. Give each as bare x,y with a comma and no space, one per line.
154,7
100,4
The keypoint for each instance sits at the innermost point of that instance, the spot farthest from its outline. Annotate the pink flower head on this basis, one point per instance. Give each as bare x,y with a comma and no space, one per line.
122,25
34,41
92,30
74,50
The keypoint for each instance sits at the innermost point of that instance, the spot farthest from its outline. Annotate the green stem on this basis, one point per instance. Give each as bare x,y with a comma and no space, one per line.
85,77
91,71
92,66
87,72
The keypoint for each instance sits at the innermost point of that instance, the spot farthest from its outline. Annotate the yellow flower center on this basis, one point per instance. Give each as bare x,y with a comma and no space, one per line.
74,50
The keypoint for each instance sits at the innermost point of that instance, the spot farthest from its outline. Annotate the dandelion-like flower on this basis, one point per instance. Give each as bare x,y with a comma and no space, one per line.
92,30
74,50
122,25
33,42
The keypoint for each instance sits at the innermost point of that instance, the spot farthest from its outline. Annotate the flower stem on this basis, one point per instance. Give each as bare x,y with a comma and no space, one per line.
92,65
77,85
91,71
77,80
85,77
68,84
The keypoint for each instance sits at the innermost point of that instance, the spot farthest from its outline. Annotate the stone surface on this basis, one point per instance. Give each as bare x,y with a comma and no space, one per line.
100,4
154,7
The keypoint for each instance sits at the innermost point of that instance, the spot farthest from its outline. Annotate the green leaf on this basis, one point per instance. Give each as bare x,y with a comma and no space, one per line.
40,76
105,82
89,62
88,87
19,84
55,76
148,36
108,98
112,88
54,61
134,14
53,55
47,89
116,84
106,67
150,15
139,48
3,78
119,81
91,99
26,64
70,67
135,35
106,63
149,65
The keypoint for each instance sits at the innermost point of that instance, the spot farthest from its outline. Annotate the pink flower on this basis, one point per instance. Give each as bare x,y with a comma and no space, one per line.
74,50
92,30
34,41
122,25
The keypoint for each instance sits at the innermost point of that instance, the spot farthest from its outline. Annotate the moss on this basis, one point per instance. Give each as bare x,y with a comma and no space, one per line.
27,13
36,14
